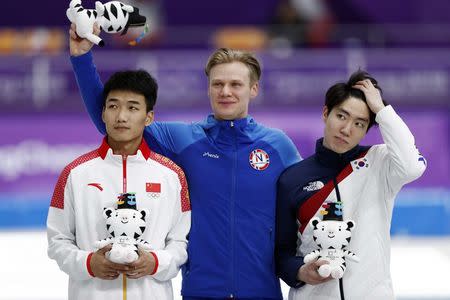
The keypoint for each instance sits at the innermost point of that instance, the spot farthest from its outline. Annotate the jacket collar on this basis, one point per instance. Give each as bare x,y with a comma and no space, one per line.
229,132
332,159
211,121
104,147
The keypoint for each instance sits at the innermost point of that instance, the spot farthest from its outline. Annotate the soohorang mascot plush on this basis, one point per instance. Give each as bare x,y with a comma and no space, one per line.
332,236
125,225
112,17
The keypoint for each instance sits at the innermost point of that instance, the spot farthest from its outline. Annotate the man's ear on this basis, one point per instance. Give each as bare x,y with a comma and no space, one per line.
103,114
149,118
325,113
254,89
209,88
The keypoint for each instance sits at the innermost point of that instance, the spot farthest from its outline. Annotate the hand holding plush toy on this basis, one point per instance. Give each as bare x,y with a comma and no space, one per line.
112,17
125,225
332,236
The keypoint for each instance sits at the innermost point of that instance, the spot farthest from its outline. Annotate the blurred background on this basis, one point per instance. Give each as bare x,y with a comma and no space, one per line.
305,46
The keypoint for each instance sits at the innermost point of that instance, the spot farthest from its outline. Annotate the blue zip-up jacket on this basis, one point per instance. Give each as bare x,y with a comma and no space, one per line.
231,242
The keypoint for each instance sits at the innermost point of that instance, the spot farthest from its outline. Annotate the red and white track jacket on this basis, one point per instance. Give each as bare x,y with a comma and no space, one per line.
75,221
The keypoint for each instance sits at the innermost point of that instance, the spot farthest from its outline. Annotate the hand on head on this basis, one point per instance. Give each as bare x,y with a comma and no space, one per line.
373,95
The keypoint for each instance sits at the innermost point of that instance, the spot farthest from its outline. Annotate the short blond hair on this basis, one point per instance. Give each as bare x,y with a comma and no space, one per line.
227,55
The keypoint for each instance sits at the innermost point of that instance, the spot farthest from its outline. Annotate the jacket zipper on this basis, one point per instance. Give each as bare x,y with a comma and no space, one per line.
124,190
338,196
233,192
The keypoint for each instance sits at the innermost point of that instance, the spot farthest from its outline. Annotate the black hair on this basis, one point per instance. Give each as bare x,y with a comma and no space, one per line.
136,81
341,91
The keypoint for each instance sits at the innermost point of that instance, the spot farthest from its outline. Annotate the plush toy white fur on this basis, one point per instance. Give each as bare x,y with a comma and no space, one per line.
112,17
332,237
125,226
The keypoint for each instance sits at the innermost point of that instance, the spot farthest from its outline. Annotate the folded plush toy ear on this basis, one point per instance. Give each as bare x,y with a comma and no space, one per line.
75,3
144,213
350,224
100,8
107,212
128,8
314,222
70,15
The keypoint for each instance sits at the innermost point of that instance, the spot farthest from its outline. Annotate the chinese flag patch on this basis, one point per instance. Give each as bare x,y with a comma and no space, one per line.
152,187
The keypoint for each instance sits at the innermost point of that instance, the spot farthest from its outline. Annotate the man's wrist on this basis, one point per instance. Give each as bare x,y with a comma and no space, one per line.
88,264
155,266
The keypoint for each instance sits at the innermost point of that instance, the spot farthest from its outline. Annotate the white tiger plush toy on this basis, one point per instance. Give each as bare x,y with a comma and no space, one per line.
125,225
112,17
332,236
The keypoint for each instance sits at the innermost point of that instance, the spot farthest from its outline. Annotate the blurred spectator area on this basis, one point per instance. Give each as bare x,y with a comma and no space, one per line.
249,24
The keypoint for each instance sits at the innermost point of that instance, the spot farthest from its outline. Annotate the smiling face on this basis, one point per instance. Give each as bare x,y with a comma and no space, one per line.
125,118
345,125
230,90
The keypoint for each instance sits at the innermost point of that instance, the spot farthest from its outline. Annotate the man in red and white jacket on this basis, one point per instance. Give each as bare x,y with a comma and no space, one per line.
122,164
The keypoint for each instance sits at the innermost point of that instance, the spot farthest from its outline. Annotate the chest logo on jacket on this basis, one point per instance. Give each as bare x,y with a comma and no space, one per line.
259,159
97,185
313,186
211,155
153,189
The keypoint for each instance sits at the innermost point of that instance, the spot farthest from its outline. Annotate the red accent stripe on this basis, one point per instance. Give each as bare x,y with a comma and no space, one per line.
307,211
88,264
156,263
124,173
104,147
145,150
58,193
185,201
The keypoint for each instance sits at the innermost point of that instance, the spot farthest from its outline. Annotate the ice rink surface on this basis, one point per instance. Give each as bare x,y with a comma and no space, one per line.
420,268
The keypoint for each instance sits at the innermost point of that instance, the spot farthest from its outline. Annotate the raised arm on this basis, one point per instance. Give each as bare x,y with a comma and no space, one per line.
404,163
89,83
159,136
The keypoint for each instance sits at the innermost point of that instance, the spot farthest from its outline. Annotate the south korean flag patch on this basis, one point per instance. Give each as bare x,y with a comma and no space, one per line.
259,159
361,163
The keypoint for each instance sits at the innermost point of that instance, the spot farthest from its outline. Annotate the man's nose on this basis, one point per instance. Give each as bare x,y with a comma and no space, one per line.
226,91
346,129
122,115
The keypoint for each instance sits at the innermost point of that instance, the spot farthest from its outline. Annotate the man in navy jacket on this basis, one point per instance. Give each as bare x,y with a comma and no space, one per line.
364,179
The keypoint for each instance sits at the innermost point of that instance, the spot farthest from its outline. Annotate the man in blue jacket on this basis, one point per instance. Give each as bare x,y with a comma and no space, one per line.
232,164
